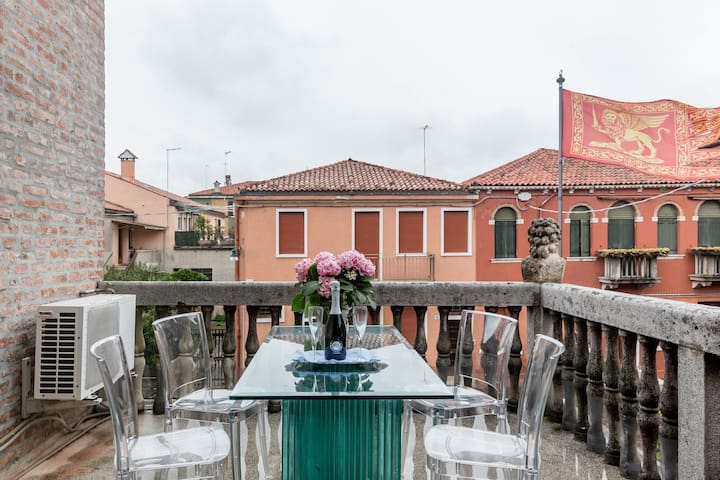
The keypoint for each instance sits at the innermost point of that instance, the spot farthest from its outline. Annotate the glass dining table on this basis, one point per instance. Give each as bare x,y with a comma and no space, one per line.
340,420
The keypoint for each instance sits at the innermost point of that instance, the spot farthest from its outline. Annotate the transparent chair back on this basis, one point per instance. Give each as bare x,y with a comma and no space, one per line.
184,355
483,352
531,408
191,453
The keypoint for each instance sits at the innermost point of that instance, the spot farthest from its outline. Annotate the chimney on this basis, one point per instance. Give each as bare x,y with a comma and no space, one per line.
217,186
227,181
127,165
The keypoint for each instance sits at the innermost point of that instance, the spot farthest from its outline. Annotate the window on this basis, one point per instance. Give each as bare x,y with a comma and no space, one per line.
411,232
580,232
709,224
505,233
621,226
667,227
455,232
291,233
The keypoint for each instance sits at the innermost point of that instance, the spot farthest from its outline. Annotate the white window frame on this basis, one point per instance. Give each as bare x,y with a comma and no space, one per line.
278,211
468,253
397,232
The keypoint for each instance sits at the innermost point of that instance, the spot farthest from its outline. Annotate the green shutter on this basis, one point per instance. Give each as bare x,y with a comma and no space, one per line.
667,233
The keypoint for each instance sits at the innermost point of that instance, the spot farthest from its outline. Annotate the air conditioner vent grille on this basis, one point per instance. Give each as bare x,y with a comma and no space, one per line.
57,353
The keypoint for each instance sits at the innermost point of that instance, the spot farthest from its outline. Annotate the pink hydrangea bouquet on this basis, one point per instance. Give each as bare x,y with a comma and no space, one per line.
352,269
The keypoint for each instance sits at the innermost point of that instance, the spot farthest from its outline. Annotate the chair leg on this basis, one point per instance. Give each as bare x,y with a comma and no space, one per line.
235,449
407,422
262,428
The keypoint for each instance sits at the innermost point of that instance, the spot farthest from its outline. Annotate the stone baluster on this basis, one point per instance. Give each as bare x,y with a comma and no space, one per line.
374,315
275,312
629,462
207,311
669,410
649,399
158,407
420,343
595,390
397,311
581,379
568,373
555,403
514,363
611,399
251,342
139,359
229,346
444,346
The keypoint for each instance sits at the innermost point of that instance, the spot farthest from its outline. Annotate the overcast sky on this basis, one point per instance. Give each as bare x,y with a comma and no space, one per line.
293,84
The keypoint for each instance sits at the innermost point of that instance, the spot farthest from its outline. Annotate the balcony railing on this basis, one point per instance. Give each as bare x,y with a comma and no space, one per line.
707,266
630,266
408,267
598,382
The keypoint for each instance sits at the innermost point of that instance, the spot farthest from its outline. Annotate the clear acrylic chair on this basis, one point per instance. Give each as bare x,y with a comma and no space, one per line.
193,452
474,453
480,371
185,359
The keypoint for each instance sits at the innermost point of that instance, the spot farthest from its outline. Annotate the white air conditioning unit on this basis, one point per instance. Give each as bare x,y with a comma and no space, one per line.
64,368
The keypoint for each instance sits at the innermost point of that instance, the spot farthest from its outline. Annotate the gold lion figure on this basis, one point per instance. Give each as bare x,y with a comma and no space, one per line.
626,127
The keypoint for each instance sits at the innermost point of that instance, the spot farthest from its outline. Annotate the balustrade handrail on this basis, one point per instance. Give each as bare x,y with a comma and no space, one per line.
692,325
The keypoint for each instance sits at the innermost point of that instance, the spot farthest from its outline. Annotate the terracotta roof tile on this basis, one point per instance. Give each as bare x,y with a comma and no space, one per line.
352,176
540,168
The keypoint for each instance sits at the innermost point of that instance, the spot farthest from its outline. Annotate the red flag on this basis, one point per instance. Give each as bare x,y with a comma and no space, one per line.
663,137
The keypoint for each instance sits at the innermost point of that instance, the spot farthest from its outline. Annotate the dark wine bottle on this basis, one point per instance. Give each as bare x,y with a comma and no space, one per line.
335,332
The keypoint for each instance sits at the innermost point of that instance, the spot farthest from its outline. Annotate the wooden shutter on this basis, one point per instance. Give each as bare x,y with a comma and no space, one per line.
455,234
291,233
667,228
410,232
367,232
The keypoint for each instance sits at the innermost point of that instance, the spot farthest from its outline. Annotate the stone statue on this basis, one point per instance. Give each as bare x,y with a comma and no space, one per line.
544,263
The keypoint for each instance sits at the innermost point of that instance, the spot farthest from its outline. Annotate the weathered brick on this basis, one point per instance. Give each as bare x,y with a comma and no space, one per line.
51,161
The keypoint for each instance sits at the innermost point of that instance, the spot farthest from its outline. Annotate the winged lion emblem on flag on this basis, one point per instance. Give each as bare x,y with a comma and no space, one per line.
624,127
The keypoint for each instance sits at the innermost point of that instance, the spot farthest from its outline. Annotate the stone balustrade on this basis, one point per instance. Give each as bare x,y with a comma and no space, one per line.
591,388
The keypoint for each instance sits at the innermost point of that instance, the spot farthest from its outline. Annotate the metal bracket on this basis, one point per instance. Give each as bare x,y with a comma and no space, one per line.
30,404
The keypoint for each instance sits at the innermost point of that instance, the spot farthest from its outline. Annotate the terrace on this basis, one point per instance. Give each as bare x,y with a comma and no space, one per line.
611,412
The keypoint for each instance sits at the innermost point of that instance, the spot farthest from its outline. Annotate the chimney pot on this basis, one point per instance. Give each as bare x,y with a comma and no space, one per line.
227,181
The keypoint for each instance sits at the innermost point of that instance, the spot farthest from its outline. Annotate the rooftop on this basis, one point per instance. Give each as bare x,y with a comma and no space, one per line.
352,176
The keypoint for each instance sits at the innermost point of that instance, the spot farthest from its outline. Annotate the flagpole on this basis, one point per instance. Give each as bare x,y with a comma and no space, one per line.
560,80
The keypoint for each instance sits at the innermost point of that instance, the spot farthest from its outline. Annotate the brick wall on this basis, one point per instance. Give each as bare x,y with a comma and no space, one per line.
52,148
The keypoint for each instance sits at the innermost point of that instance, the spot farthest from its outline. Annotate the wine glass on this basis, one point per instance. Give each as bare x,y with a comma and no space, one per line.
360,316
314,315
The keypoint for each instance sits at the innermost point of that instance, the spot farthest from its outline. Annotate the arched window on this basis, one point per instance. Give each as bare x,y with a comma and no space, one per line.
667,227
709,224
621,226
580,232
505,233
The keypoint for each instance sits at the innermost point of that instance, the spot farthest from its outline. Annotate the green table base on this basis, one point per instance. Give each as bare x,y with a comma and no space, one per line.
341,439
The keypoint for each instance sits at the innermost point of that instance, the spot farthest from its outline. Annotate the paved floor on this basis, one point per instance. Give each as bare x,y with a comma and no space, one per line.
90,457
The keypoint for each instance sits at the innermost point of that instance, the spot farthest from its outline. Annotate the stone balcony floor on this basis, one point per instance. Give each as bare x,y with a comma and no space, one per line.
90,457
